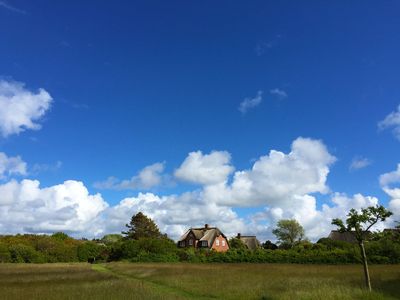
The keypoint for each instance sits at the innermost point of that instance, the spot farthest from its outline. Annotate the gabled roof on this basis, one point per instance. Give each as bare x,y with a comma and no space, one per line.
203,234
250,241
348,237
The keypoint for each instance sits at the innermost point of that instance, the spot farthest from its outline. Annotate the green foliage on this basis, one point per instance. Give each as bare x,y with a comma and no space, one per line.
269,245
332,244
89,250
21,253
145,249
289,233
141,226
60,236
235,243
5,255
110,239
359,223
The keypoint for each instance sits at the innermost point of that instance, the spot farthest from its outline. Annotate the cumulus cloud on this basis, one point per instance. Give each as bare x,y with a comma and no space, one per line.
11,166
174,213
279,93
359,163
205,169
20,109
147,178
390,183
68,207
276,177
250,103
281,185
392,121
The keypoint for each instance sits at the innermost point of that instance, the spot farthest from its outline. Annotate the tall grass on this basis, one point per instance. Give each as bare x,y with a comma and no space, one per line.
195,281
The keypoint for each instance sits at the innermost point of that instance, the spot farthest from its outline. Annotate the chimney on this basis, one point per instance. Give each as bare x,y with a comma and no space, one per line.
238,235
206,226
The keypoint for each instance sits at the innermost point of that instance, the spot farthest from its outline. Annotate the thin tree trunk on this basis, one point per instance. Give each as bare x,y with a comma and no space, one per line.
365,263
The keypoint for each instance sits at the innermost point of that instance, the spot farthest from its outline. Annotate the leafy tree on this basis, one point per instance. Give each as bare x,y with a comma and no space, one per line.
109,239
289,233
89,251
60,236
359,224
235,243
269,245
142,226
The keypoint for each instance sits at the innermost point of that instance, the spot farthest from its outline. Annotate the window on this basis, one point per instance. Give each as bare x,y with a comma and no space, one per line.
190,242
182,243
204,243
223,243
216,242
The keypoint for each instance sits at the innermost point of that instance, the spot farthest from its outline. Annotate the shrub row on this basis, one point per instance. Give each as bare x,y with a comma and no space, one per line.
61,248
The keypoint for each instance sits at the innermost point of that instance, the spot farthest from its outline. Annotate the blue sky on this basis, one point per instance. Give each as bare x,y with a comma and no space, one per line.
134,83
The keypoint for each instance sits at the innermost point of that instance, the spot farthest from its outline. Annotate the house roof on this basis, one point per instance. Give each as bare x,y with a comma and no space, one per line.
250,241
393,230
204,234
348,237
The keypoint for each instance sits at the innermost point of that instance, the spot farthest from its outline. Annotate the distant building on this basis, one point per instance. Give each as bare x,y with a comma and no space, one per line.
250,241
392,230
206,237
347,236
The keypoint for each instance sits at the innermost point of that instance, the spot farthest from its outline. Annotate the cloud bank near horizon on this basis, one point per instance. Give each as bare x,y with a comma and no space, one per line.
280,185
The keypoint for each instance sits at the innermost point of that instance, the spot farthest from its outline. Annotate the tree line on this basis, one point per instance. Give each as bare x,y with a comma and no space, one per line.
143,242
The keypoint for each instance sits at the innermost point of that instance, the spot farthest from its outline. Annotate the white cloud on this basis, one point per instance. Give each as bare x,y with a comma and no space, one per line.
359,163
205,169
21,108
11,8
390,183
388,178
174,213
285,185
276,177
11,166
392,121
279,93
38,168
26,207
249,103
147,178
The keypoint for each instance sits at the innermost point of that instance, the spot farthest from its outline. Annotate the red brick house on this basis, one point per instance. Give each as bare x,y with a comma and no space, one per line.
206,237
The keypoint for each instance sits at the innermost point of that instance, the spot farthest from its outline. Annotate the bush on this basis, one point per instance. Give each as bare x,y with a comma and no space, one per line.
21,253
90,251
5,255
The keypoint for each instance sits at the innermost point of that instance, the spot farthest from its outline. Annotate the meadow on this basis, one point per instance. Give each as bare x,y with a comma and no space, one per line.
121,280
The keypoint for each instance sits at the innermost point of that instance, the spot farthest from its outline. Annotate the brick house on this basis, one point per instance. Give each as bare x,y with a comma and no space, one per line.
206,237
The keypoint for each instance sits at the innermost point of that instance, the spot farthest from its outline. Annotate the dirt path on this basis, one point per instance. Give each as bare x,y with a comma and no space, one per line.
163,288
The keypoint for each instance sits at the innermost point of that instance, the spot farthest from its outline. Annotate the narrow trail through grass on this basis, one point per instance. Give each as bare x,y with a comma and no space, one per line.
164,288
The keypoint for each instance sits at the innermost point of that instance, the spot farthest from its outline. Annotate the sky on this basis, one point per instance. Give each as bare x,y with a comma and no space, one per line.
232,114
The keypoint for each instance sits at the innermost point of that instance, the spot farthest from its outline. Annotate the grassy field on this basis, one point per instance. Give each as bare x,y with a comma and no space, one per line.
195,281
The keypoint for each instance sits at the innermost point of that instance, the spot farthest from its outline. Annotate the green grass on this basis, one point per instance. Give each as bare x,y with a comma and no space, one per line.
195,281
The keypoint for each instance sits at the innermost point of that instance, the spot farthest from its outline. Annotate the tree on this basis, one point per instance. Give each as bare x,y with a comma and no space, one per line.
142,226
235,243
269,245
359,224
289,233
